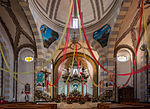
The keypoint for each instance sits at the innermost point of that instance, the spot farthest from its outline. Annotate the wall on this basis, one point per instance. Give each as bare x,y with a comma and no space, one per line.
25,78
8,53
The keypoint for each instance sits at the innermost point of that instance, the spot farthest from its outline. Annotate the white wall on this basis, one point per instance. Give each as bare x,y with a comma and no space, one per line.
4,38
124,67
25,78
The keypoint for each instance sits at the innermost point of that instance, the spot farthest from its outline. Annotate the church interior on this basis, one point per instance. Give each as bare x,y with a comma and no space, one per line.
74,54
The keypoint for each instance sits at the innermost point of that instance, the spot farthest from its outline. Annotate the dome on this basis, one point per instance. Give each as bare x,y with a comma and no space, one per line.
93,11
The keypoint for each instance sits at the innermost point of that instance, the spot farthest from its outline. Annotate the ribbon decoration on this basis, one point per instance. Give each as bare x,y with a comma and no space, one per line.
47,62
54,53
66,44
147,36
71,70
136,47
131,72
78,64
90,50
8,65
94,56
69,20
82,43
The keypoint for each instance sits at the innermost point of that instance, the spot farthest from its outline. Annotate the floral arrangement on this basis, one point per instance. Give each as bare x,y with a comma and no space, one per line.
69,100
2,101
81,100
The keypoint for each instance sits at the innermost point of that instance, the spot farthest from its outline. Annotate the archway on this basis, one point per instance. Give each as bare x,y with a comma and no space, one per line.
25,64
124,56
80,55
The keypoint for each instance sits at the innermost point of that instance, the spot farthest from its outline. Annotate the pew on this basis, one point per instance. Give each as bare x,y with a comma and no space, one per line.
120,106
28,106
146,105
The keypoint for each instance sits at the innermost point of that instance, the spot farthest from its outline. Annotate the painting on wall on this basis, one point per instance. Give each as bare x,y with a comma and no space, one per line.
102,35
48,35
40,79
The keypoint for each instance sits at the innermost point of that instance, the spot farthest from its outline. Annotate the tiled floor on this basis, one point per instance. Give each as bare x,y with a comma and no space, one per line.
87,105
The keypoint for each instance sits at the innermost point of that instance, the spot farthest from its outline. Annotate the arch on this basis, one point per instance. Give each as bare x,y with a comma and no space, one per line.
25,78
123,46
25,6
114,33
7,77
94,65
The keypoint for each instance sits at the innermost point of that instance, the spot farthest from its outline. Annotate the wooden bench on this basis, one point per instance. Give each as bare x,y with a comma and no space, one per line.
28,106
146,105
119,106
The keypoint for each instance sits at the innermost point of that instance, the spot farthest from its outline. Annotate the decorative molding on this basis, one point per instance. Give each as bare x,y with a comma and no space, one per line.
57,7
95,68
5,77
26,46
134,22
98,8
7,32
123,46
18,27
113,37
92,4
52,9
47,5
104,11
133,37
5,3
55,15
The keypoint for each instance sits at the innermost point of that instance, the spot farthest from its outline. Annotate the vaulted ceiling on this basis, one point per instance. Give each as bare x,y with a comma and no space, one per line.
14,25
57,10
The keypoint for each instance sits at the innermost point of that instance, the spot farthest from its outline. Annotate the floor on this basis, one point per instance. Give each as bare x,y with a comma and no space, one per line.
87,105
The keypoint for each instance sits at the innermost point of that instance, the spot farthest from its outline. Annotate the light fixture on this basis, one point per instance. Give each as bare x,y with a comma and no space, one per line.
122,58
75,23
28,59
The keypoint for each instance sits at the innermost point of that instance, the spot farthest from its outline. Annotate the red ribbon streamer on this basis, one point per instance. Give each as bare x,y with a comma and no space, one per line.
65,48
85,36
136,47
78,65
97,60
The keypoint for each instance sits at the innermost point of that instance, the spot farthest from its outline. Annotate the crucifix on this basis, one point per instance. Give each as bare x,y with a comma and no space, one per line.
46,75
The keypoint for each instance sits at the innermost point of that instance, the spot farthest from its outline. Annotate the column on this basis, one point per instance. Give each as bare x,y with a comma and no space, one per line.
82,88
68,88
100,89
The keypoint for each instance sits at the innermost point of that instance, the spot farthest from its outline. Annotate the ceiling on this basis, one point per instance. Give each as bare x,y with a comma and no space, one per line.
57,10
